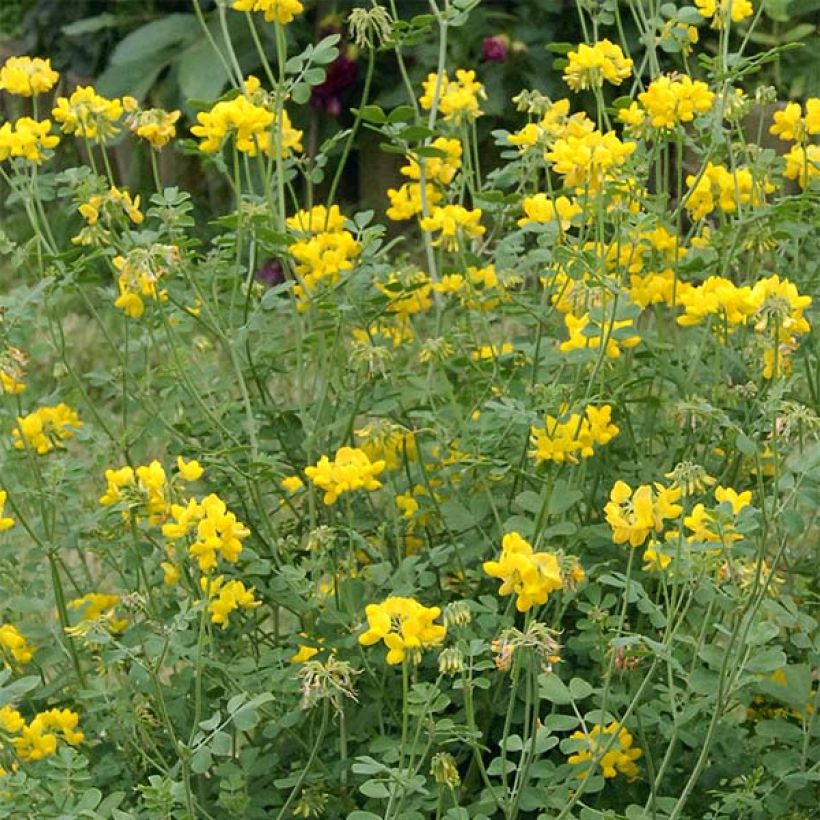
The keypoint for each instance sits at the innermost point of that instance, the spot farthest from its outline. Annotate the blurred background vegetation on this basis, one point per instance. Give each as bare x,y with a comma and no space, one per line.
157,51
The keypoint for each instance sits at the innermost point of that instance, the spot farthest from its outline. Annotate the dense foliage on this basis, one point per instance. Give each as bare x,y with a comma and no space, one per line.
504,506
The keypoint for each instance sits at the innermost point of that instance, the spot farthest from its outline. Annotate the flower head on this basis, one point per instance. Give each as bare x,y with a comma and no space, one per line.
27,76
406,627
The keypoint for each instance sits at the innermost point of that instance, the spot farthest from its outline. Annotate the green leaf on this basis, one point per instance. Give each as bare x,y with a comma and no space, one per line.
374,788
553,689
372,113
130,78
200,73
88,25
580,689
201,760
144,43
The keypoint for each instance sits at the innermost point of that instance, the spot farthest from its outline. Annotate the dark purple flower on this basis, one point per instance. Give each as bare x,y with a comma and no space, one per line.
341,74
496,48
271,273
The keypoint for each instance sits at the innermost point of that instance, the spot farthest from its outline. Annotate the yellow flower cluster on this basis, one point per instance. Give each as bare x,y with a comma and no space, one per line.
620,759
89,115
14,643
249,119
46,428
276,11
27,76
146,487
405,626
155,125
453,223
718,187
6,523
408,294
790,124
13,371
324,252
439,171
774,303
215,530
225,598
719,10
388,442
26,138
530,576
586,161
481,289
38,739
556,122
458,100
350,470
590,66
103,211
802,163
541,209
633,516
585,334
98,607
138,274
561,441
669,101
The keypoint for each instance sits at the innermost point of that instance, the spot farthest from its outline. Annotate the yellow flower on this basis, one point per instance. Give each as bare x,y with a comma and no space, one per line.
409,293
171,573
654,559
226,598
45,428
11,721
27,138
669,101
406,201
387,441
216,530
405,626
13,371
317,220
439,170
113,208
138,275
189,470
590,66
581,336
6,523
15,644
530,575
620,759
304,653
718,10
252,126
802,164
89,115
292,484
727,190
350,470
587,160
716,296
633,516
453,222
561,441
100,608
491,352
27,76
156,126
38,739
279,11
458,99
540,209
